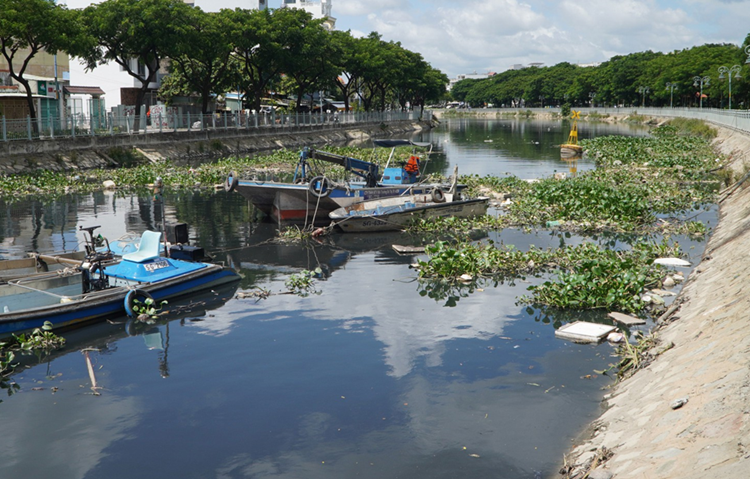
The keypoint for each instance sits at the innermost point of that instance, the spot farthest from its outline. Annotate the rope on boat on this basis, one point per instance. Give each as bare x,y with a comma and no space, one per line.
31,288
317,203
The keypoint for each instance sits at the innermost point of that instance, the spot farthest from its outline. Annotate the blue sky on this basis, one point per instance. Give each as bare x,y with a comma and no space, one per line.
464,36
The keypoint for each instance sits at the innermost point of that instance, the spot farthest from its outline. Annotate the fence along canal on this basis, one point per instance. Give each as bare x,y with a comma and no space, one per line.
29,129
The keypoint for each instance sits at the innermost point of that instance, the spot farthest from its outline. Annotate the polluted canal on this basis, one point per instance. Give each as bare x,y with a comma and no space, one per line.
359,374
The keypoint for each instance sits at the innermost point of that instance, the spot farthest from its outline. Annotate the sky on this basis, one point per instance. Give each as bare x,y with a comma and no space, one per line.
467,36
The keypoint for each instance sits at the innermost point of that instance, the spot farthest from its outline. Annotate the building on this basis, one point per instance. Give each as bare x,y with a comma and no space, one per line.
520,66
318,9
469,76
47,75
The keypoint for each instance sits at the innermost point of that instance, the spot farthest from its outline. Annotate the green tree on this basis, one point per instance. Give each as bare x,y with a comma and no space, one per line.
372,62
28,27
741,89
204,63
462,88
350,62
431,87
385,61
311,59
137,35
259,45
617,80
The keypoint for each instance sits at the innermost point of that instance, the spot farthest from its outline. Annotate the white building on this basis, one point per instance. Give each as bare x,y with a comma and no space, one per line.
258,4
470,76
520,66
318,9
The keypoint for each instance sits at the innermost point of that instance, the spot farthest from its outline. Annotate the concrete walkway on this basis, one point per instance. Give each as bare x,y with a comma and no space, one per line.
640,435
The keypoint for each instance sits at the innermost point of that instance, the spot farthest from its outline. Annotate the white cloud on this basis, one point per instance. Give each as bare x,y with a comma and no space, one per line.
365,7
474,35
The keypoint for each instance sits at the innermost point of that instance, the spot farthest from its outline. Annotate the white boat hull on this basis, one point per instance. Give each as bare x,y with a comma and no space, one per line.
394,214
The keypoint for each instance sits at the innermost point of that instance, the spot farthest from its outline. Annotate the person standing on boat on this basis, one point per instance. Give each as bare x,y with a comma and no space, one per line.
412,166
411,169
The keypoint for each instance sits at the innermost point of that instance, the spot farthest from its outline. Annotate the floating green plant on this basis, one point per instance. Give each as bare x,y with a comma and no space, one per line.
587,276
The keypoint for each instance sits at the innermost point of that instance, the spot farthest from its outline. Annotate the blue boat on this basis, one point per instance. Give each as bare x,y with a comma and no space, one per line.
311,197
101,286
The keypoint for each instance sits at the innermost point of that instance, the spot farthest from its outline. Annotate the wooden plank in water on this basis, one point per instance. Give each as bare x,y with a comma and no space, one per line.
407,249
581,331
626,319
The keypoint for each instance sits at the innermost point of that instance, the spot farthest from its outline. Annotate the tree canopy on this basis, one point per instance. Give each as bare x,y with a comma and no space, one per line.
137,35
653,79
28,27
262,53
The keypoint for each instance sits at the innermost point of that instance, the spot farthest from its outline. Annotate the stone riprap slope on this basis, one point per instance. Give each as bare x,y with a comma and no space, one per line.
709,365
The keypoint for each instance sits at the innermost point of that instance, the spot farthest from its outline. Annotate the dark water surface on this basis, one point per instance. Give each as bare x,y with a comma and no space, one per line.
365,379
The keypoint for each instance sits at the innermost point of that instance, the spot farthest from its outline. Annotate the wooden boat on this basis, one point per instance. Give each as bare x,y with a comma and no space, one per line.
393,214
311,197
101,286
25,267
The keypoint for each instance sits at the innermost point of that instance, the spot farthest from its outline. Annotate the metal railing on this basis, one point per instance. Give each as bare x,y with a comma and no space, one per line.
109,125
735,119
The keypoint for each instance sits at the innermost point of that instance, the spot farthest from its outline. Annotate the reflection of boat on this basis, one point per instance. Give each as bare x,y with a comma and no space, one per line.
101,335
99,286
310,197
572,149
391,214
267,260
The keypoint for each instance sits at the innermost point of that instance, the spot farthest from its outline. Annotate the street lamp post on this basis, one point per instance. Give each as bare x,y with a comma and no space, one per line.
728,71
671,87
592,95
747,52
643,90
699,80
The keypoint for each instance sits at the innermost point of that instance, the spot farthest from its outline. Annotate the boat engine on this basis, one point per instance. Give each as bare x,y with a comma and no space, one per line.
92,271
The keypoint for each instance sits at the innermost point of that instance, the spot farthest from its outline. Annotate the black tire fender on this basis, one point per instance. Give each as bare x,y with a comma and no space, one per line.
320,191
438,196
231,182
131,297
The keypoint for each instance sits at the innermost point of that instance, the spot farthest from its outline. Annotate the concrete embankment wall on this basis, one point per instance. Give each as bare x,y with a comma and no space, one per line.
708,364
182,147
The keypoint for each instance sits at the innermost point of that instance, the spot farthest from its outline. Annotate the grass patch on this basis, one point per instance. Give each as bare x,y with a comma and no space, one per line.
693,127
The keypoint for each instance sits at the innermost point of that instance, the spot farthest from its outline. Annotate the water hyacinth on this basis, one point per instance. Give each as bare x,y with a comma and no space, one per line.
138,173
587,276
637,178
637,183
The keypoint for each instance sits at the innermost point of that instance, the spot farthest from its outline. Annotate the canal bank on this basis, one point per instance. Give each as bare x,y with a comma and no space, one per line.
647,430
184,147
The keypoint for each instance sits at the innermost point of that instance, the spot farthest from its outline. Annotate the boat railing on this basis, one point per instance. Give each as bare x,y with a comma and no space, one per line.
19,283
